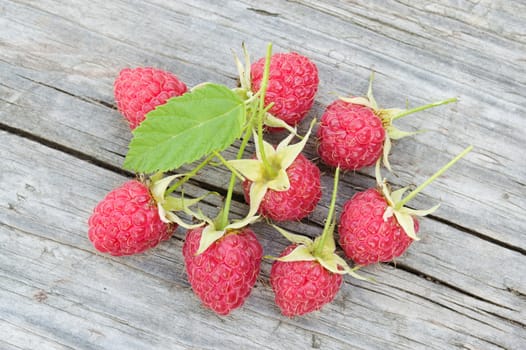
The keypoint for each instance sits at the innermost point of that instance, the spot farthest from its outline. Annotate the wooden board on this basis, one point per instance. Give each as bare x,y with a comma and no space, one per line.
63,141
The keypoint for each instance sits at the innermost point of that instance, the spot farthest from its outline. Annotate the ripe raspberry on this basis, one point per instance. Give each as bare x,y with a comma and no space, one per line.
293,83
302,286
224,274
365,236
350,135
355,132
127,221
299,200
138,91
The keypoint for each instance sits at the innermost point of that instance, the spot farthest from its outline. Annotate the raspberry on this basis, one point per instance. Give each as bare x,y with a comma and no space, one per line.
301,287
127,222
350,135
293,83
139,90
365,236
224,274
299,200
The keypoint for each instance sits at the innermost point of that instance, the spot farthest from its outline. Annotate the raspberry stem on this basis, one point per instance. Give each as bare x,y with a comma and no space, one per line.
228,166
421,108
228,199
262,111
189,175
319,248
246,137
413,193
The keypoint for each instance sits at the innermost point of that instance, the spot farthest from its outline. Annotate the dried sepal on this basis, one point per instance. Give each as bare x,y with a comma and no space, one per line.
396,196
168,205
299,253
406,221
360,100
420,212
243,69
385,153
294,238
274,122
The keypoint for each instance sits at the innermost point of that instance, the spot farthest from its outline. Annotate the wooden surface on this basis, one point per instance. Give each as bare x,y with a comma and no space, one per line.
62,143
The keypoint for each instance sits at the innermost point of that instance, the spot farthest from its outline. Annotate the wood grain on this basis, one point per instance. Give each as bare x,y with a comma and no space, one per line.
62,291
63,143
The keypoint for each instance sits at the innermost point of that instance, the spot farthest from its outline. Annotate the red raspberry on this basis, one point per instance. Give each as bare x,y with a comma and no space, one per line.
302,286
299,200
138,91
365,236
127,222
224,274
293,83
350,135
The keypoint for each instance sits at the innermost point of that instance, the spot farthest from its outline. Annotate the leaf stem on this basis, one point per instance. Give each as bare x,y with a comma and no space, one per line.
262,110
228,166
189,175
413,193
228,200
319,248
421,108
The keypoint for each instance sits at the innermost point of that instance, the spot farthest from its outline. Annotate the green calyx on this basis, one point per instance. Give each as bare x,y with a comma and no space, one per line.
167,204
388,115
272,173
323,248
215,230
396,200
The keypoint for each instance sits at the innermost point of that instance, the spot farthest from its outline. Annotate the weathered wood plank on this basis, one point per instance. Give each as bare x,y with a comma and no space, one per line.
81,136
483,279
462,286
47,257
491,179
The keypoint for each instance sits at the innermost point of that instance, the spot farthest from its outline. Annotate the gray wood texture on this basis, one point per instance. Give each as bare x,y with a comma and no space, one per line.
62,143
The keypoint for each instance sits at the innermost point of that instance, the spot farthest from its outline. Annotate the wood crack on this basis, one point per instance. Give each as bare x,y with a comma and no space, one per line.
478,234
65,149
82,98
263,12
414,271
450,308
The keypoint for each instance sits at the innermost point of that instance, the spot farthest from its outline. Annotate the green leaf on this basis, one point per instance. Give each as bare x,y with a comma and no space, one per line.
207,119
